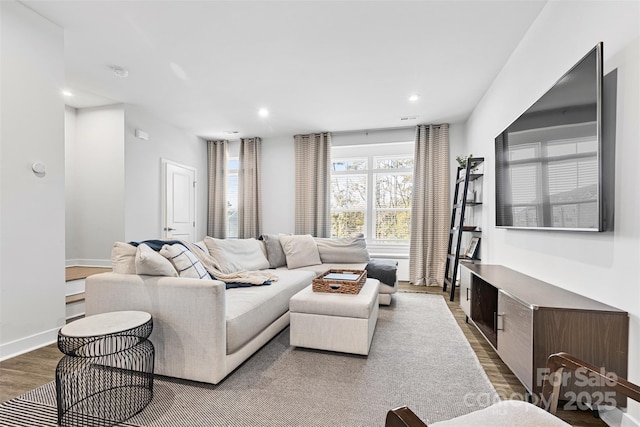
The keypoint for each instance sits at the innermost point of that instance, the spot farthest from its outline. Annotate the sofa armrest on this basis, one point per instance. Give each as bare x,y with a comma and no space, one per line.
189,319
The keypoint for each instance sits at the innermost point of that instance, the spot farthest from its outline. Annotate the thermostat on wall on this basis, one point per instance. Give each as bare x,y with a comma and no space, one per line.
142,134
38,168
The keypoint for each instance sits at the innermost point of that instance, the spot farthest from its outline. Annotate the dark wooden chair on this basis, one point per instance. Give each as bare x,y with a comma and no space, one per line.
557,363
403,417
526,414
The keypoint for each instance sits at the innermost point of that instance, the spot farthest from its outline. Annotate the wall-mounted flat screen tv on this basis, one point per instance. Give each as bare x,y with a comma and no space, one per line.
549,160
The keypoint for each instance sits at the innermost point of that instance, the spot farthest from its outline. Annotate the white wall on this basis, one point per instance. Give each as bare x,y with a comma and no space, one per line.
114,179
602,266
143,173
95,183
379,136
278,185
71,246
457,147
31,208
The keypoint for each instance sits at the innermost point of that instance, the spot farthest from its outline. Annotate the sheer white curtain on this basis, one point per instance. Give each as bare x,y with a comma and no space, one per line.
249,189
313,158
430,208
217,153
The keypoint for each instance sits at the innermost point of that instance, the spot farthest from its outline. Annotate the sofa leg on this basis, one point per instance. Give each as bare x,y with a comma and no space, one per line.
384,299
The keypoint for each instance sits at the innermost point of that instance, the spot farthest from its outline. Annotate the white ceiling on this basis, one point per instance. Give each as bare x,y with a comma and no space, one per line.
208,66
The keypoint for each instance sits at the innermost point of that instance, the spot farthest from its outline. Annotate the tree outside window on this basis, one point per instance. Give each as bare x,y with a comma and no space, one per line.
372,195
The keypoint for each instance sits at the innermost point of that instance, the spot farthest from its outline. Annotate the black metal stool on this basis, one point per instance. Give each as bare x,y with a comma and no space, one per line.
106,375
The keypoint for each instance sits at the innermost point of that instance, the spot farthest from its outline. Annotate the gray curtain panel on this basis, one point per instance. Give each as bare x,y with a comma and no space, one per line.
249,189
430,207
313,159
217,154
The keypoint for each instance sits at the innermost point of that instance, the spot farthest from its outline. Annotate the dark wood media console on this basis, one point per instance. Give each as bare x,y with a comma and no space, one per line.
526,320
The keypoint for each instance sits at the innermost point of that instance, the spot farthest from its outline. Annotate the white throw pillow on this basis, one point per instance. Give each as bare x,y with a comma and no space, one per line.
234,255
151,263
123,258
345,250
185,262
300,250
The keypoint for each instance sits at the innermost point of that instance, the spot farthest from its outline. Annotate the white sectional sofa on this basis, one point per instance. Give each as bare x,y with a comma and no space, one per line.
205,328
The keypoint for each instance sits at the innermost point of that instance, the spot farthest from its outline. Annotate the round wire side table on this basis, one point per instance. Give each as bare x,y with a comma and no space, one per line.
106,375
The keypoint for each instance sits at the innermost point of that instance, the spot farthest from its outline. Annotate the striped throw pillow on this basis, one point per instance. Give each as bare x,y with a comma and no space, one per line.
185,262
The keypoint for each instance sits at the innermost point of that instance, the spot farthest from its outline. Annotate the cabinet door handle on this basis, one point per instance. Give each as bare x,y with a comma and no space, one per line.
467,294
496,319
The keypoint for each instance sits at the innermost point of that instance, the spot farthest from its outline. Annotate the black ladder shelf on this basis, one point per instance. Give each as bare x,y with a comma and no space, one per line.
460,203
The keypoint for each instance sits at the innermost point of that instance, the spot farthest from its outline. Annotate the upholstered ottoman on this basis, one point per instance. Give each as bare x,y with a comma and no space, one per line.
335,322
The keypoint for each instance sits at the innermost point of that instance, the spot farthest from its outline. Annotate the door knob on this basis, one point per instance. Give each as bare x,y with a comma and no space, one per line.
169,229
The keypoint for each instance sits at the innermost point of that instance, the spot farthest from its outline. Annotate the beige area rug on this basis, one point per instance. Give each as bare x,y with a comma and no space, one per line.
419,358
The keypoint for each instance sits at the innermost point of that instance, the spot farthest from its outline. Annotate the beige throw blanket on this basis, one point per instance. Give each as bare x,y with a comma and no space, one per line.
252,277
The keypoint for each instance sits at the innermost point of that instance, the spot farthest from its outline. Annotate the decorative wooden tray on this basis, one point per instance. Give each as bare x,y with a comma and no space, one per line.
340,281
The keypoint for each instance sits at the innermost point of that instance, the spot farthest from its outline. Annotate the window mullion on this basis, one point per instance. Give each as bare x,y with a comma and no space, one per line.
370,220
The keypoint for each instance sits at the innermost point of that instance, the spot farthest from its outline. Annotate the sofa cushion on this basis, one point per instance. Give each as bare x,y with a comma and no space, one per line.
123,258
346,249
357,306
200,244
300,250
251,310
324,267
506,413
151,263
275,254
316,269
185,262
237,255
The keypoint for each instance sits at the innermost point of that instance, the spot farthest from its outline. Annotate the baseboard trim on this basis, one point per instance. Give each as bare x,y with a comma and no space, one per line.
628,420
75,317
88,263
388,255
614,417
27,344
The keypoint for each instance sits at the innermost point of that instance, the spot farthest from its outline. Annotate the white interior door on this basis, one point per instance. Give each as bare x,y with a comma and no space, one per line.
179,201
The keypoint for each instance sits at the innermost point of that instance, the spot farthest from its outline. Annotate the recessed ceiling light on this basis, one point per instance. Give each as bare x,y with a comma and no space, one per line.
263,112
120,72
414,97
67,93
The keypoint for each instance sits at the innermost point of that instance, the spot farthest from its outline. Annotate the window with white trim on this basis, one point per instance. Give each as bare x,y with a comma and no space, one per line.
371,191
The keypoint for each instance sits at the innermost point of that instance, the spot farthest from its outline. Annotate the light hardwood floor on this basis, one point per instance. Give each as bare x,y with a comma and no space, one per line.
77,272
28,371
